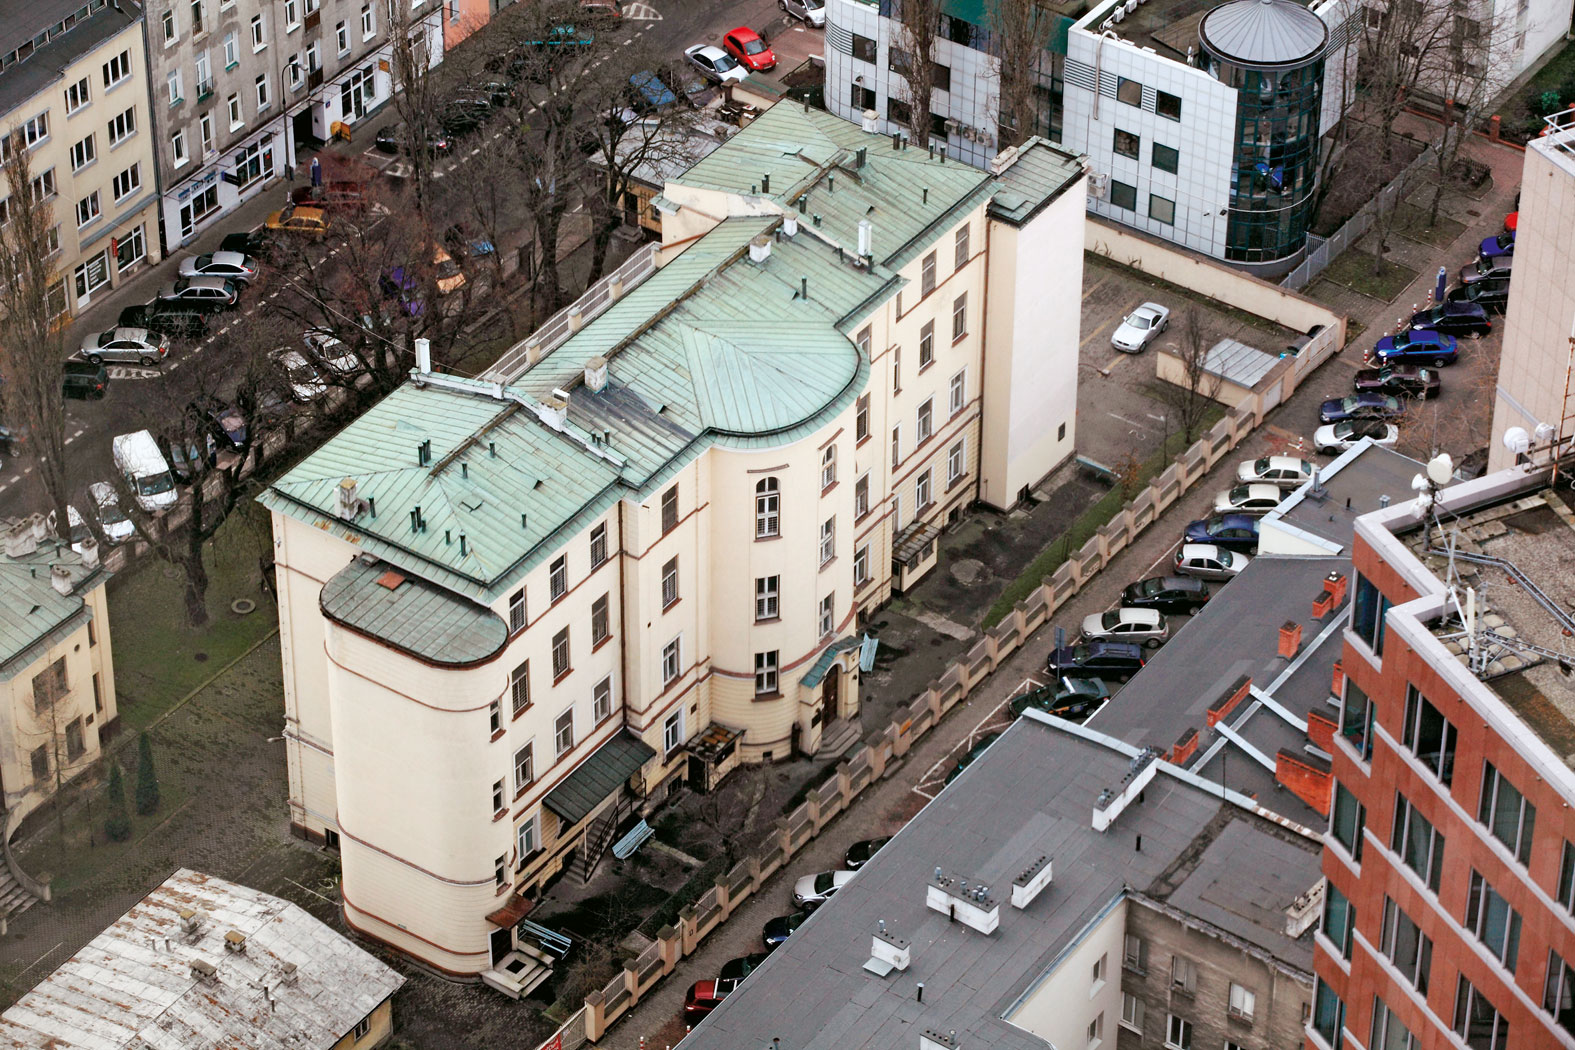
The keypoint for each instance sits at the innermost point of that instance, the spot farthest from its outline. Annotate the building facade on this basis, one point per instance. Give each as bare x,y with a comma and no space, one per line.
73,93
241,89
638,552
1450,854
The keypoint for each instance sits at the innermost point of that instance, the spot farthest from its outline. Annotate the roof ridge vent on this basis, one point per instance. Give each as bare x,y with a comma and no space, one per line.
1031,881
1140,771
961,901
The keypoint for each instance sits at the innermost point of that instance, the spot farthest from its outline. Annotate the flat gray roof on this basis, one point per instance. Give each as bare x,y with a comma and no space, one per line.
1354,484
1236,362
30,76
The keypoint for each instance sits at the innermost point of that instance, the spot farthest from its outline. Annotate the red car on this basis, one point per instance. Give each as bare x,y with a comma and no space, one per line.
704,996
745,45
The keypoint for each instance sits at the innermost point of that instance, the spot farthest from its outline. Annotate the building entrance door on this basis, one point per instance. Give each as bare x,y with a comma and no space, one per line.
830,692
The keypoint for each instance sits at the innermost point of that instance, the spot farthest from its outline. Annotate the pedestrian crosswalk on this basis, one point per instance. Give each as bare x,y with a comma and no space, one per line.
642,12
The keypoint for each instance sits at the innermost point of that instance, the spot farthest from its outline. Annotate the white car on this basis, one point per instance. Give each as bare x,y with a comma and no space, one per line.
1340,437
1208,562
1288,472
326,350
112,521
810,12
1140,328
814,890
242,269
715,64
1142,626
305,382
1257,498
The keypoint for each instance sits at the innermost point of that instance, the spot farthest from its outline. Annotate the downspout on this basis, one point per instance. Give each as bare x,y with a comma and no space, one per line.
984,355
1099,65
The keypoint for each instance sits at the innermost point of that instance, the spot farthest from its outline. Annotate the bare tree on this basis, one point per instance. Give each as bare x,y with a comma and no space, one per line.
1020,32
416,98
918,28
1399,45
1468,75
33,344
729,814
1189,399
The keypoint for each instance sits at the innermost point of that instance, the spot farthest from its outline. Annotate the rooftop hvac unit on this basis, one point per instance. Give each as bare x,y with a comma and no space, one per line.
1097,183
1119,14
1131,6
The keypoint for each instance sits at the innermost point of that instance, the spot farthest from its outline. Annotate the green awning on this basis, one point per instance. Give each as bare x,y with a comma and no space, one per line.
818,669
598,777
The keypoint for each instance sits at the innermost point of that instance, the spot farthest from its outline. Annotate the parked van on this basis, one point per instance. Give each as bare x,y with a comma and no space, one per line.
145,469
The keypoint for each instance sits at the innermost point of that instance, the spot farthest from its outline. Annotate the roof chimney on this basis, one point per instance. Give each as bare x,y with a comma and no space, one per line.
89,552
204,971
555,410
424,356
60,578
870,122
20,540
888,952
789,225
1030,882
235,941
349,506
532,353
287,974
760,249
596,374
1139,772
973,906
866,237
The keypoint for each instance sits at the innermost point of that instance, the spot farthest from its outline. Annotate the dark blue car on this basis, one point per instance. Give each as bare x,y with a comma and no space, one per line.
1109,660
1499,244
1415,347
1363,405
1234,532
779,929
1457,317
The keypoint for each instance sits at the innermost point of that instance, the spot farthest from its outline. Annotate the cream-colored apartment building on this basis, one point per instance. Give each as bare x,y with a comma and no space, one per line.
1536,371
515,609
74,93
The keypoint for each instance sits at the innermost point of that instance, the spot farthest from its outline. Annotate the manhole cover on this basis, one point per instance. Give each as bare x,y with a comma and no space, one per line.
201,658
242,606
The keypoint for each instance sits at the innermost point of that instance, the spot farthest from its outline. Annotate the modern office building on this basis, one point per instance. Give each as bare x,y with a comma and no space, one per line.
73,93
1450,854
640,548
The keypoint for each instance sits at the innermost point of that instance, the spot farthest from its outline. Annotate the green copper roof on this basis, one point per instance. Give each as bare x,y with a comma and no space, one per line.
598,776
36,615
1040,173
430,623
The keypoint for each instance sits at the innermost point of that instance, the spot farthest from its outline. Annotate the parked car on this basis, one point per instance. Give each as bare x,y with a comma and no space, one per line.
1209,562
299,220
1074,699
860,852
166,319
461,239
1113,661
812,891
705,996
741,967
1400,380
1168,594
647,94
715,64
339,195
1497,246
325,350
256,243
1146,627
1140,328
461,116
80,532
810,12
232,266
112,521
1257,498
304,382
1455,317
1414,347
396,138
603,8
1340,437
972,755
1233,532
1287,472
751,51
135,345
226,424
1490,293
83,380
190,460
145,469
1368,404
1498,266
399,283
776,931
450,278
213,294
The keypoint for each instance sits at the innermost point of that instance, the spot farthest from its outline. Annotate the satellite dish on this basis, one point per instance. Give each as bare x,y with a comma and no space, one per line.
1544,433
1517,440
1441,468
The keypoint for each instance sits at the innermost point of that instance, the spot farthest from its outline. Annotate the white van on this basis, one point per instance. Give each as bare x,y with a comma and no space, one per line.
145,469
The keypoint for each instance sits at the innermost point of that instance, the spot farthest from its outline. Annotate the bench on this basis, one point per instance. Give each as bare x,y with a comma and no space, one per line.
1096,468
554,945
637,837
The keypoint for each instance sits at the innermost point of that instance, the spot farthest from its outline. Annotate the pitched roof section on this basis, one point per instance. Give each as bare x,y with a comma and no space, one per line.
598,776
1036,174
36,613
430,623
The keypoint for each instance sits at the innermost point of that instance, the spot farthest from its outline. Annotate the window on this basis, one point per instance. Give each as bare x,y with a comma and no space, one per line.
1162,209
174,87
1183,975
1367,614
519,687
1099,971
669,583
926,421
766,508
1178,1033
342,38
127,182
1356,720
1428,734
1388,1033
563,733
1167,105
292,68
1558,992
1476,1019
828,467
863,342
560,654
525,840
1328,1014
1123,195
896,370
517,611
368,22
766,597
122,127
1406,946
672,732
1134,954
896,447
233,104
828,614
77,96
959,317
956,463
232,56
828,540
926,345
524,766
958,395
1339,919
498,802
922,494
292,15
178,148
598,545
314,58
941,77
558,577
960,248
861,497
500,871
259,33
1129,92
98,692
263,99
861,565
131,250
861,419
32,132
670,661
1420,846
1506,813
1242,1002
117,69
44,186
927,275
204,76
765,673
863,48
1347,816
601,701
40,760
861,97
1132,1012
1165,158
205,128
1126,144
600,621
74,745
1495,923
87,209
83,154
670,510
494,718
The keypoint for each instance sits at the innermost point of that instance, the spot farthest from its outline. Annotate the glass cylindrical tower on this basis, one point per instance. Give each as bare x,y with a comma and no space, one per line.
1272,53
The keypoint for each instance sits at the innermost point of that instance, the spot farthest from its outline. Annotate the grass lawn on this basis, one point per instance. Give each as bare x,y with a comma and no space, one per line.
1412,222
1354,270
158,659
1519,123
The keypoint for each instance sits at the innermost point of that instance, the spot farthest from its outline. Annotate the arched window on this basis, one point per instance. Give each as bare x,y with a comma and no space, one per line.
767,505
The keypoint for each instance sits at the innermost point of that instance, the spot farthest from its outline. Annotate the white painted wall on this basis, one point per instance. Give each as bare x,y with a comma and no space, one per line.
1061,1008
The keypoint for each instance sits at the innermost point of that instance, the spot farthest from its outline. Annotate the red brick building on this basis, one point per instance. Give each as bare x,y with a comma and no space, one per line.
1450,854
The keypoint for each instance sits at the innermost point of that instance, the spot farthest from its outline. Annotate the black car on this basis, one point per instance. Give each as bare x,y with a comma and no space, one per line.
82,380
1168,594
860,852
1117,660
741,967
166,319
396,138
464,115
9,440
778,930
1457,318
256,243
1074,699
1490,293
972,756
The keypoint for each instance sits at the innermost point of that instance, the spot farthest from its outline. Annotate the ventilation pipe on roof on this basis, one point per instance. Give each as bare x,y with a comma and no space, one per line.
765,183
760,249
866,238
860,156
60,578
789,225
831,182
424,356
